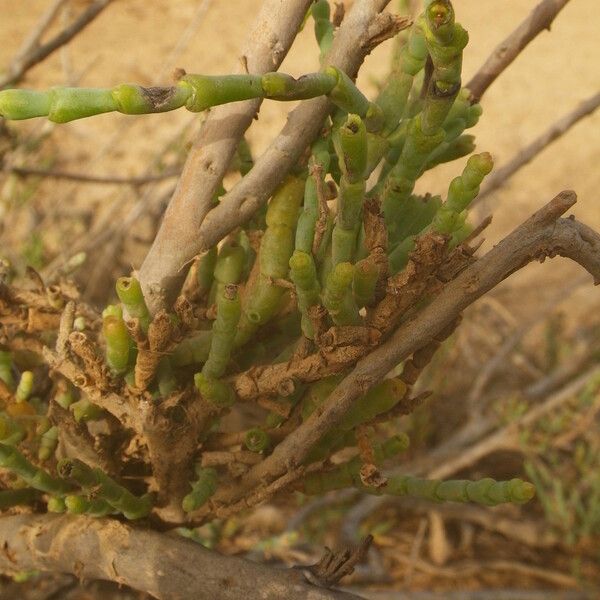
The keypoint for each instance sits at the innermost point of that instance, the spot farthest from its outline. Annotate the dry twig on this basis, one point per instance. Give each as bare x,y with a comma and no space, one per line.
540,18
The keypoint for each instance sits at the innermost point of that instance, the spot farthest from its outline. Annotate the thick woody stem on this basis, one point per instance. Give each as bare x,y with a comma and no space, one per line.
543,235
166,567
190,227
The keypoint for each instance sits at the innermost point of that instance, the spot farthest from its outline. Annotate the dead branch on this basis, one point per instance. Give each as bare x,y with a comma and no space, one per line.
186,231
34,53
542,235
500,176
540,18
168,568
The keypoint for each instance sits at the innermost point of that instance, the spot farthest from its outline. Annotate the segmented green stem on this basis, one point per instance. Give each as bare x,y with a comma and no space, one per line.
348,474
10,498
130,294
263,295
192,350
303,273
202,489
104,488
364,282
118,343
11,431
25,386
445,41
6,369
217,392
462,191
257,440
205,271
483,491
223,332
338,299
323,26
13,460
79,505
48,443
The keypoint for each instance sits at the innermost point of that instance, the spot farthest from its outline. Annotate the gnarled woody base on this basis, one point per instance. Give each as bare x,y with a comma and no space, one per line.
167,567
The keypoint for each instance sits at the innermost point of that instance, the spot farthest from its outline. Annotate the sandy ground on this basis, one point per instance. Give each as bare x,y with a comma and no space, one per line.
142,41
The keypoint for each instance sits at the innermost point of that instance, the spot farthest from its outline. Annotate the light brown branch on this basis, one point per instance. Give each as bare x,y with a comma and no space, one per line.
37,54
543,235
164,269
500,176
167,567
540,18
190,227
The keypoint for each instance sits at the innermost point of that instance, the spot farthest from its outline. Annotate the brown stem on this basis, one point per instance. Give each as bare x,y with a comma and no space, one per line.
539,19
191,226
543,235
166,567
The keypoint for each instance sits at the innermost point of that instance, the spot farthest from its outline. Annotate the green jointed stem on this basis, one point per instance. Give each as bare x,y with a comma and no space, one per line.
449,151
445,41
303,273
13,460
338,299
194,92
318,165
205,271
364,282
84,410
25,386
323,26
130,294
378,400
10,498
351,148
483,491
6,369
118,343
11,431
48,443
462,191
96,507
217,392
202,489
56,504
263,296
350,99
257,440
407,63
192,350
104,488
348,474
223,332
